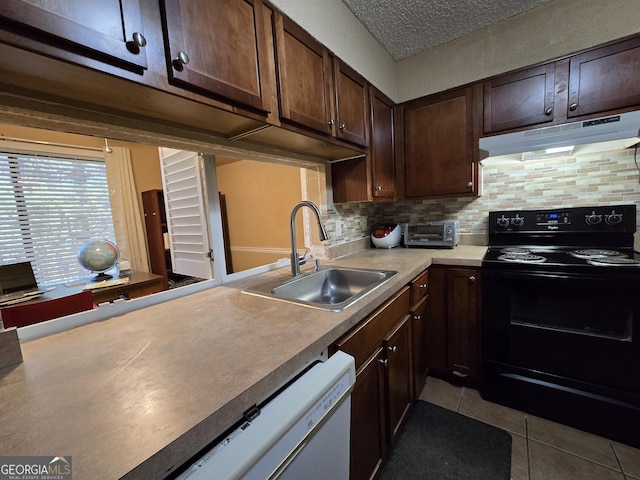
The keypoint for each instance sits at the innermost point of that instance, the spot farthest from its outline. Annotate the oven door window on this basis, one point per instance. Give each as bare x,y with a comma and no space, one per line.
594,316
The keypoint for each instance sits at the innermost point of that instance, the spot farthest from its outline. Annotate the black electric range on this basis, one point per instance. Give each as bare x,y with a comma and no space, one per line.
561,317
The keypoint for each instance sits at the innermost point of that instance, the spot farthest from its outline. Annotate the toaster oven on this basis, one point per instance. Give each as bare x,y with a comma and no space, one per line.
432,234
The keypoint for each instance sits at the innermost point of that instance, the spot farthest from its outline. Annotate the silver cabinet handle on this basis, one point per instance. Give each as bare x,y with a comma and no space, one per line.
469,184
472,278
548,111
136,43
393,349
342,126
423,285
573,107
417,317
331,122
378,187
459,374
139,40
384,362
180,61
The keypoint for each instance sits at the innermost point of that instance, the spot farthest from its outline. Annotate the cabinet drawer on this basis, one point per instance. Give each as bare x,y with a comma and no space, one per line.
419,287
368,336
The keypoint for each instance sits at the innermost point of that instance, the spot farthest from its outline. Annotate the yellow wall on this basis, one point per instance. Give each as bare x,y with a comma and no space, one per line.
259,198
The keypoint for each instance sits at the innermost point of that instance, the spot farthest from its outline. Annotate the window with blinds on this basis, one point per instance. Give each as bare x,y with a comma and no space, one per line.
49,206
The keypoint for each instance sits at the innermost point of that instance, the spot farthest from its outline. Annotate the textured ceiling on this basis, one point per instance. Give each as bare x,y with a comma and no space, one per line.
408,27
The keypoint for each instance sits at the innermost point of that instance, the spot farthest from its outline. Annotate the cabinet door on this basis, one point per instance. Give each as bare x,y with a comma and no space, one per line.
368,419
605,79
399,379
437,357
382,151
304,77
520,99
419,344
462,313
351,104
440,143
218,47
109,30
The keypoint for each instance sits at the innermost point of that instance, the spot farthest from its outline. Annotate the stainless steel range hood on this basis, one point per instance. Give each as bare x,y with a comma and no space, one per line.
589,136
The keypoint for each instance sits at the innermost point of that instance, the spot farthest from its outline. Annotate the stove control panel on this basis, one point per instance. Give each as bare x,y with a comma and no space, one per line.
607,219
553,218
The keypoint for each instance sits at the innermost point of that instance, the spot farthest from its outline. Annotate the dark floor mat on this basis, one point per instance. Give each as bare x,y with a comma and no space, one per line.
436,443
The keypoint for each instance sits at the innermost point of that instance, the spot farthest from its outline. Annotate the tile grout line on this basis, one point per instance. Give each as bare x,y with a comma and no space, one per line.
526,439
615,454
460,400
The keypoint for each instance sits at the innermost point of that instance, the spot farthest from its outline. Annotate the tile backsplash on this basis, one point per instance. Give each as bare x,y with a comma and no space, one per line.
600,179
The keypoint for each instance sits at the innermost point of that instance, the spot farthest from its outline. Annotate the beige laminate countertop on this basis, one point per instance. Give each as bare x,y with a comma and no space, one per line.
138,394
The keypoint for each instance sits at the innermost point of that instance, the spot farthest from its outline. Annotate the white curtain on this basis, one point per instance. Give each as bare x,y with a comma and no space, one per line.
125,209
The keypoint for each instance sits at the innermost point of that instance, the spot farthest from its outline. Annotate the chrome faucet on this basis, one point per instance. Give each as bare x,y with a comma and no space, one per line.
295,260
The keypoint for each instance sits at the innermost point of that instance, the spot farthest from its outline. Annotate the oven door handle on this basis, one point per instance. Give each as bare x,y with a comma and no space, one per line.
520,275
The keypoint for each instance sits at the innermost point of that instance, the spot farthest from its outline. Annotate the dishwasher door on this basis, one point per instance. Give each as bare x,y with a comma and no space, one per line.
303,432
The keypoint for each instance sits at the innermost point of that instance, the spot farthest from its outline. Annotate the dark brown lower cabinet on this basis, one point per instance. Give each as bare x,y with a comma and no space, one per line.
398,376
367,419
453,326
382,396
419,319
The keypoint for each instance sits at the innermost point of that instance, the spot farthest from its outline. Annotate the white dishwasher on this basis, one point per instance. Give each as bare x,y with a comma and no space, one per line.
302,433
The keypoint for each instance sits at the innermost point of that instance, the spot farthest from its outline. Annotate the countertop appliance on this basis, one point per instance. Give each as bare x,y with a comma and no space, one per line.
301,433
387,236
432,234
561,317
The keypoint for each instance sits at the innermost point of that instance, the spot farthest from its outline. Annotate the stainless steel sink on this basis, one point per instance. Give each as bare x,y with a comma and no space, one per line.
332,289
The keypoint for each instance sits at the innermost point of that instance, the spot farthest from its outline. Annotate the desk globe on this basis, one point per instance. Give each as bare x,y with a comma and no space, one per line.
98,256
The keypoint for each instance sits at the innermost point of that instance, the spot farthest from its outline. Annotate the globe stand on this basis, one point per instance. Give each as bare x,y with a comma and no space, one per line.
101,277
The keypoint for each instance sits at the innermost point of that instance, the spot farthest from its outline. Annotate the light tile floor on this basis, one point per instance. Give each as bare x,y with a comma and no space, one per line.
541,449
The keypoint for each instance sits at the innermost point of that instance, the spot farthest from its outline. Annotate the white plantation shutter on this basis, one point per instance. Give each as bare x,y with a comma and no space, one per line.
49,206
187,219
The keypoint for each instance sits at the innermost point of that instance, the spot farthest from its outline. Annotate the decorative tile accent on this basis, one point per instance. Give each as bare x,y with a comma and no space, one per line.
602,179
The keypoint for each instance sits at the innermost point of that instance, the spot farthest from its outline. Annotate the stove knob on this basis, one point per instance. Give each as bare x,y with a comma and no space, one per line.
593,219
517,221
503,222
613,218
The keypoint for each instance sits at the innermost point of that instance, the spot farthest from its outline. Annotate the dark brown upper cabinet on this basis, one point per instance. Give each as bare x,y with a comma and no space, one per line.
382,149
372,177
600,81
351,105
317,90
304,74
605,79
520,99
110,30
441,134
218,48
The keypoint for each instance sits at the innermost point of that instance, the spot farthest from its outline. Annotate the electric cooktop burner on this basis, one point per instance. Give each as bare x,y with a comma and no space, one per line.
522,258
616,261
516,251
591,253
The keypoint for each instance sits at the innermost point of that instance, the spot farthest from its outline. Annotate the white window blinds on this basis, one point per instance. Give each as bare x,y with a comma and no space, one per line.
49,207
